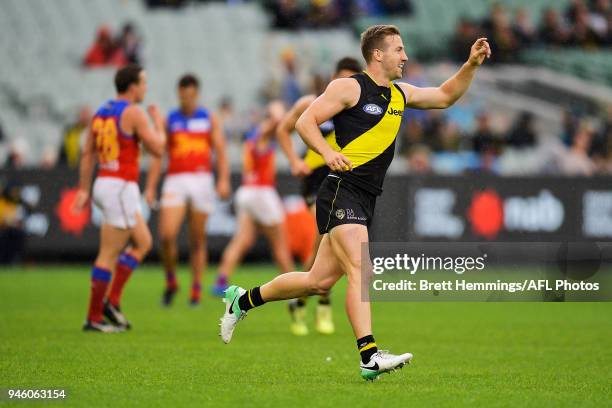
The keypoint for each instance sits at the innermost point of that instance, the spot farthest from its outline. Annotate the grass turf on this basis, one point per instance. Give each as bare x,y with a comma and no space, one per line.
466,354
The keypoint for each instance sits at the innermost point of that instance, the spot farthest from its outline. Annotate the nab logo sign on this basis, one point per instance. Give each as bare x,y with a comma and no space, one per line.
372,109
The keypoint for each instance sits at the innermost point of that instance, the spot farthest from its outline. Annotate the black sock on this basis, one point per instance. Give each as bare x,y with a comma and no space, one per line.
367,348
301,302
252,298
324,299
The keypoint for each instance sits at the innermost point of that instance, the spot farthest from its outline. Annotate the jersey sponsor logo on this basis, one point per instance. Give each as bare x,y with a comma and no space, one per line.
198,125
392,111
372,109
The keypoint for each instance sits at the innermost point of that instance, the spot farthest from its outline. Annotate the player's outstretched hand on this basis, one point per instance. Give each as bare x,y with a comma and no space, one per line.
300,169
479,51
336,161
80,201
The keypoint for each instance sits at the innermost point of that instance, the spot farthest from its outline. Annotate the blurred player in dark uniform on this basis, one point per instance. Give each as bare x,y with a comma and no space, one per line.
313,170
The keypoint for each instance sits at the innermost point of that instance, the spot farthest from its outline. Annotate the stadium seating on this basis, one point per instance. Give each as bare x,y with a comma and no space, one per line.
229,47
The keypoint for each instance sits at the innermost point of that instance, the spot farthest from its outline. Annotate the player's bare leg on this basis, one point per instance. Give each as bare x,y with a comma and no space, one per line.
339,252
346,243
170,220
198,254
324,273
278,243
112,242
243,239
141,242
275,235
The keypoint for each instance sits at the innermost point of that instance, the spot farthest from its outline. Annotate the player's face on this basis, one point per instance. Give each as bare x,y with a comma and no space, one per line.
344,73
141,87
188,97
394,56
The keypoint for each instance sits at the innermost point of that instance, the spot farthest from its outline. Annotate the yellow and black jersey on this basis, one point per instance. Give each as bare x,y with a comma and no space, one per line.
366,133
313,159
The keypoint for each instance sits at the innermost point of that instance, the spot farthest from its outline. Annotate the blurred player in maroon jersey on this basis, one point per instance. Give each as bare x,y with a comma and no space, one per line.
257,202
113,141
194,134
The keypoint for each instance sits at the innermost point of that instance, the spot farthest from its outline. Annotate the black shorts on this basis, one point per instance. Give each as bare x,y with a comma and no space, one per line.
340,202
311,184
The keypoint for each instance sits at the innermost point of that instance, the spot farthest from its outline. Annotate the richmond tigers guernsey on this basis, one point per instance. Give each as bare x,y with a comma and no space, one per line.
366,133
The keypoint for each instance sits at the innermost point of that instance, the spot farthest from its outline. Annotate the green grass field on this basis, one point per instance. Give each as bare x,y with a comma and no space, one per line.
466,354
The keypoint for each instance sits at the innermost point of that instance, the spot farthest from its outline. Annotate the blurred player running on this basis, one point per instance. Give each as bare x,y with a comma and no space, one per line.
258,205
367,110
116,130
313,171
194,134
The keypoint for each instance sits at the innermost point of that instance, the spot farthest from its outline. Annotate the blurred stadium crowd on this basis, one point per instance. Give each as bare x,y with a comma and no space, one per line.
470,137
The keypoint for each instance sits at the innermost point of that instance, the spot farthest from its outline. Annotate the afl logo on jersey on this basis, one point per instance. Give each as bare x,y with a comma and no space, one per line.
372,109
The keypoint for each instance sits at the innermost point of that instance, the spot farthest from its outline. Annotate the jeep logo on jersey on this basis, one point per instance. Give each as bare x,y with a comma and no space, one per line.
392,111
372,109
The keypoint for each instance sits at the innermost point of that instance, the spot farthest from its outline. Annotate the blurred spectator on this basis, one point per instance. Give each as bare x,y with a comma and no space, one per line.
575,161
572,10
485,140
601,148
523,27
129,42
12,215
104,51
504,43
411,134
433,130
322,13
599,17
391,7
70,149
463,113
583,35
523,132
286,14
290,87
166,3
418,159
1,133
414,75
552,31
569,125
17,154
466,32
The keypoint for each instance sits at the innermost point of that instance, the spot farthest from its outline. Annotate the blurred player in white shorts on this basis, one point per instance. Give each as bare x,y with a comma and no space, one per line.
258,205
113,142
189,187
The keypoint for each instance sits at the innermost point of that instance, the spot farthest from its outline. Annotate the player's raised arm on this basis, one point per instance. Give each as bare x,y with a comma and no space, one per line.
154,140
223,169
283,134
340,94
86,167
452,89
153,176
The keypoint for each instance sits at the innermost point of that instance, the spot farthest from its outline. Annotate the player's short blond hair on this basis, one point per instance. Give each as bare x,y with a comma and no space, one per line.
373,38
